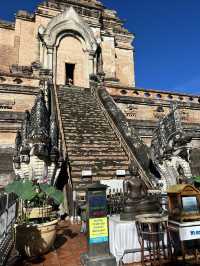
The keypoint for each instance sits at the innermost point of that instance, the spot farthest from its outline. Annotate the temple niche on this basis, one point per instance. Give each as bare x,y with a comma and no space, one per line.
72,63
69,49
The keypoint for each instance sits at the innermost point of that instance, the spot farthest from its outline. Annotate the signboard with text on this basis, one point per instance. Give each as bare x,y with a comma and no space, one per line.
98,230
97,216
189,233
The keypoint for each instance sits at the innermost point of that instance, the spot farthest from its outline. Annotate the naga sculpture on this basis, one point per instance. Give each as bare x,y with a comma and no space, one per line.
36,146
170,149
53,138
39,129
25,147
18,143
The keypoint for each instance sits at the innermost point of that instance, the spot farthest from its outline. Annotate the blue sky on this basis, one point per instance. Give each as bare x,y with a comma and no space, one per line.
167,40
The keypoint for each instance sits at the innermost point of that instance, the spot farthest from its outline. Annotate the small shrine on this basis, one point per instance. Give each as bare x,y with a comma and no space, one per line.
184,202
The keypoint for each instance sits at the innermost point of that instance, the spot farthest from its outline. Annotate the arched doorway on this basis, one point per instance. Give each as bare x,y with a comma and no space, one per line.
72,62
69,48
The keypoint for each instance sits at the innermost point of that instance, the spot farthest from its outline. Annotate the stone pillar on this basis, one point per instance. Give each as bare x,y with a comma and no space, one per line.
42,52
95,65
50,58
54,68
108,57
45,64
91,64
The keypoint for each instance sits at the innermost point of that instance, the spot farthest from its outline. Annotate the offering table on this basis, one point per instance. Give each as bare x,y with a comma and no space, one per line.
123,236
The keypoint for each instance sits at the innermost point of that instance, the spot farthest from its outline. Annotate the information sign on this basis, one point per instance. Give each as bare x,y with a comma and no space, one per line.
189,233
98,230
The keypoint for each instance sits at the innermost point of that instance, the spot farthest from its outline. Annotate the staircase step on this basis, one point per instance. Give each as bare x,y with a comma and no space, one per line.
95,153
77,123
81,142
95,134
101,145
96,168
99,163
95,148
90,139
97,157
78,174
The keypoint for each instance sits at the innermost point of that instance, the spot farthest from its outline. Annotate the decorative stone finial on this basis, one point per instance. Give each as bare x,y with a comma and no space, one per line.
53,138
39,130
25,148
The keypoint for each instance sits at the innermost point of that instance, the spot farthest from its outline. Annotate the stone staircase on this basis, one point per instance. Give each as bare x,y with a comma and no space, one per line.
90,140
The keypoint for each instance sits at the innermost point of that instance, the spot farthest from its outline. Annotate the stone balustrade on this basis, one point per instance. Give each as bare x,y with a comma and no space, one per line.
8,214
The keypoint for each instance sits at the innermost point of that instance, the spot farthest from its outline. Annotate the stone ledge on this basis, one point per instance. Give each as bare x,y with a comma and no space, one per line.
7,25
150,90
6,88
154,102
25,15
10,116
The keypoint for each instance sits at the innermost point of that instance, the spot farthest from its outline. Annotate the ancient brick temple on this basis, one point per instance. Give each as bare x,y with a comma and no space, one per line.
68,43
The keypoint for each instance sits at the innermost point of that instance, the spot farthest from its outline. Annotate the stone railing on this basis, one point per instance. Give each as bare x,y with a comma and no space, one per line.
63,145
137,152
8,214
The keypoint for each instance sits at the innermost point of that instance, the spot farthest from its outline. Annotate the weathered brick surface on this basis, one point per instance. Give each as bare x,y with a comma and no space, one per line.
125,67
21,46
144,108
90,140
12,107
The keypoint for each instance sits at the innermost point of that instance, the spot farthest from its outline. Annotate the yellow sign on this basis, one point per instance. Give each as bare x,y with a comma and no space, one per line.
98,230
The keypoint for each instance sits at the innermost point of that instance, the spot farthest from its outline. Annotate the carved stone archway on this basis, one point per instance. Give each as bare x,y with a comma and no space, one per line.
68,23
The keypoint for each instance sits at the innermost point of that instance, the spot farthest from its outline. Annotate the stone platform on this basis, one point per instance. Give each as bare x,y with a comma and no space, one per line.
69,245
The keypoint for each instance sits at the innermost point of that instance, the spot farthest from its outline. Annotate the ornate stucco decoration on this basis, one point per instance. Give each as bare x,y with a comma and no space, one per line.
39,126
68,22
7,104
170,149
159,113
129,110
84,3
184,115
53,134
36,145
25,148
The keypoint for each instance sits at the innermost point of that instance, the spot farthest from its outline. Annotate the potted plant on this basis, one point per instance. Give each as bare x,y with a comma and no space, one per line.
35,230
196,180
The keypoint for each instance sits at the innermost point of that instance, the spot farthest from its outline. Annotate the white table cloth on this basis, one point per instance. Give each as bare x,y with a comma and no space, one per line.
123,236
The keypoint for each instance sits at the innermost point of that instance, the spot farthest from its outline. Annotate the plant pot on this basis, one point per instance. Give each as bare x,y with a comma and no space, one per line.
35,240
42,212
